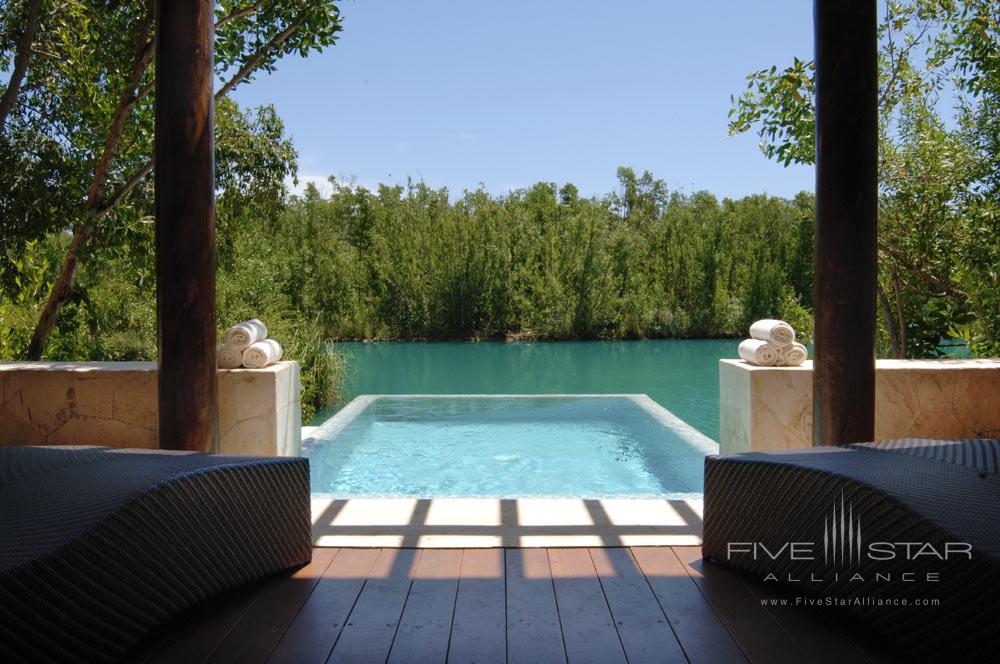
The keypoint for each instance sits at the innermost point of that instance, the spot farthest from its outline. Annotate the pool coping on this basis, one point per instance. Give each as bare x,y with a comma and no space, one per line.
485,522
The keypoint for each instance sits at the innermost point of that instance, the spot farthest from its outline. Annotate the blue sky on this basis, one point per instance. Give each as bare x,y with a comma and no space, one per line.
510,93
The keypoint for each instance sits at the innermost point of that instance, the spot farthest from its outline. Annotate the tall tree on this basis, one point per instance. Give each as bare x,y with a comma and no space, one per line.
80,123
939,213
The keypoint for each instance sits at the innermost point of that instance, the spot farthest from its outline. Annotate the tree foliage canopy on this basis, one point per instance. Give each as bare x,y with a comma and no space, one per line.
939,216
77,140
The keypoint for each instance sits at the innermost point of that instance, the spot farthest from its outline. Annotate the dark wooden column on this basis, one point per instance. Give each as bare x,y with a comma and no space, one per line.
846,221
185,225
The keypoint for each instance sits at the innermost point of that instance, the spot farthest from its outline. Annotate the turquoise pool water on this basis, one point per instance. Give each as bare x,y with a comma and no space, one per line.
681,375
579,446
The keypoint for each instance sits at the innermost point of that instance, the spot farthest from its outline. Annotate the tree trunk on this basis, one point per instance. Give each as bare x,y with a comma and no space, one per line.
890,323
900,316
60,292
21,58
94,208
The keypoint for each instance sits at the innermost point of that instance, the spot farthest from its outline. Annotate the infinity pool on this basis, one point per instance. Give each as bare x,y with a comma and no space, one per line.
584,446
682,375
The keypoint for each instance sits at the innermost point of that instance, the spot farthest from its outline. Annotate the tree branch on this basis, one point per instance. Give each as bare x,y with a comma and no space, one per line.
941,285
101,210
250,65
234,15
238,13
144,53
145,90
896,60
21,58
130,184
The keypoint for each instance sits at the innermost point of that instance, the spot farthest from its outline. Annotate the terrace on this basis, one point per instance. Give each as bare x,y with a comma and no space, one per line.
253,571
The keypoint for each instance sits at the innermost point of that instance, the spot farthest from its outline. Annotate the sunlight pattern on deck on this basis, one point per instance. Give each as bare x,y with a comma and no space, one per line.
488,522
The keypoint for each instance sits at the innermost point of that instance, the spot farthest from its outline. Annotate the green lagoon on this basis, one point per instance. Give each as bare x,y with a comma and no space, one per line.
682,375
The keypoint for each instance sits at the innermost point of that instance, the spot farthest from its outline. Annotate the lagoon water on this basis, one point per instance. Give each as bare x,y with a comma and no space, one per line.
682,375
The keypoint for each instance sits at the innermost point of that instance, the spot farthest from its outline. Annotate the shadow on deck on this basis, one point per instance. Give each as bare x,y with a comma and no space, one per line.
642,604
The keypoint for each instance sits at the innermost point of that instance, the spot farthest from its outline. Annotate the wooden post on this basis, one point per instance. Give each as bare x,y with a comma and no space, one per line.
185,225
846,221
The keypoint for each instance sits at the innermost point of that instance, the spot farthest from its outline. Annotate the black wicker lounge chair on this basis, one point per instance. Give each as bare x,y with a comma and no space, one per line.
99,546
879,528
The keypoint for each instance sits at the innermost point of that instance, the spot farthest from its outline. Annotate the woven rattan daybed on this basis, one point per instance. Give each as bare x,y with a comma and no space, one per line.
904,534
99,546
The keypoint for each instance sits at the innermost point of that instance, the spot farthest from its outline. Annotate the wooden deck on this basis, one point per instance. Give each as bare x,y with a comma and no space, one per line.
602,605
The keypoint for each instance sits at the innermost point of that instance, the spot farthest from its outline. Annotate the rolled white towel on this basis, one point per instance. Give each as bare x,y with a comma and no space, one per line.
242,335
229,358
756,351
794,355
261,354
778,332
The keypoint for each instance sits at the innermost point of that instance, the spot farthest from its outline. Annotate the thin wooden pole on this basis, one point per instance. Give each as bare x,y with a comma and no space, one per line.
185,225
846,221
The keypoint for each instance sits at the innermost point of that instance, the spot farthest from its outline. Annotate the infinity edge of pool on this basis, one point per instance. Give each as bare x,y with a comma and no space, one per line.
657,458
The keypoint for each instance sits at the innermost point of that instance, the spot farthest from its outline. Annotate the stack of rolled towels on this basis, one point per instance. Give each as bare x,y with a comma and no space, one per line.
772,344
247,345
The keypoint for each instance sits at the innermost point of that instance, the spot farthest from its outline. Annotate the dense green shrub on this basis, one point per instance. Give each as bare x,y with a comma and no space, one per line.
409,263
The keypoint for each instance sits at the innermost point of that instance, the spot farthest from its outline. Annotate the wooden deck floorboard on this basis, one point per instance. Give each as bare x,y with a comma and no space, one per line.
650,604
587,626
316,627
479,633
533,630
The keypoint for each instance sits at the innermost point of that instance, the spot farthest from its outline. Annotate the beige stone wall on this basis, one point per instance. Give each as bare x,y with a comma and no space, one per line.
770,408
115,403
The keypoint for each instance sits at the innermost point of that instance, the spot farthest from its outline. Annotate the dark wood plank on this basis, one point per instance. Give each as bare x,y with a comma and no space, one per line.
425,627
371,627
822,642
260,628
311,635
478,633
642,626
588,629
533,631
702,635
201,630
871,643
757,633
398,602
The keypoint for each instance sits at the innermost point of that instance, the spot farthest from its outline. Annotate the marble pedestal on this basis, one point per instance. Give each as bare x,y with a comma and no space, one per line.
770,408
115,403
